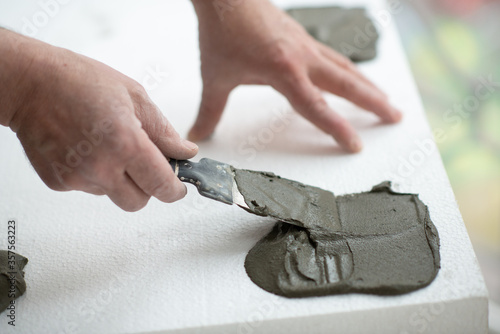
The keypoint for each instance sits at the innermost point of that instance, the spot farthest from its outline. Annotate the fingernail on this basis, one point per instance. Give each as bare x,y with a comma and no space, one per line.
355,145
189,145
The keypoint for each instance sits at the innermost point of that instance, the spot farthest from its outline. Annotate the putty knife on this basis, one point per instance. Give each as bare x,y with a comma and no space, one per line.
212,178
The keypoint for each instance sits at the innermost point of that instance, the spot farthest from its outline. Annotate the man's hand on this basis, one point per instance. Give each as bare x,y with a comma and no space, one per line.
256,43
85,126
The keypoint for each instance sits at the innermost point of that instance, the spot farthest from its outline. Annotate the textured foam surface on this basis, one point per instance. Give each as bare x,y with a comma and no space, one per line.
172,268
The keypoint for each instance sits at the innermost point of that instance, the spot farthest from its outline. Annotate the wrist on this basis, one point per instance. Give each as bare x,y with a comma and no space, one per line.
234,18
18,58
226,11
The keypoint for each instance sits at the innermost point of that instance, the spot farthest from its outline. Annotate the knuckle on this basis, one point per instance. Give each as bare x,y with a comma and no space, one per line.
298,87
283,57
122,147
137,91
318,106
308,98
347,85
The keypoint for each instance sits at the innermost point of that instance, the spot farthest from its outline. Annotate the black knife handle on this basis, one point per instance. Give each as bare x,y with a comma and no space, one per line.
213,179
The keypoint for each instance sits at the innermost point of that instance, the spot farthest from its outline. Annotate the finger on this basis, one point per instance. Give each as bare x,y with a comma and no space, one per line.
152,173
308,101
345,63
213,101
162,133
126,194
338,81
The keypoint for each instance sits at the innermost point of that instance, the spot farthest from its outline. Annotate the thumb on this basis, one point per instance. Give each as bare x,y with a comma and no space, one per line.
163,134
213,101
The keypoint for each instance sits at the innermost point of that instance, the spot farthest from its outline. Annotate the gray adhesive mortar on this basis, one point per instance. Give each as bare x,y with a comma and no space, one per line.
11,271
346,30
379,242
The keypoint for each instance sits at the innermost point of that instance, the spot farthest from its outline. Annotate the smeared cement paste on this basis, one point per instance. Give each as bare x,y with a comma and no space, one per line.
346,30
12,284
378,242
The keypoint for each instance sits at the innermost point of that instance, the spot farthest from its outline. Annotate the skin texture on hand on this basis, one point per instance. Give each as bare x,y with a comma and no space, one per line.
253,42
85,126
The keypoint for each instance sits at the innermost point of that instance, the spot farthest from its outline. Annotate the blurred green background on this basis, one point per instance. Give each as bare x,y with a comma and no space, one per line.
453,47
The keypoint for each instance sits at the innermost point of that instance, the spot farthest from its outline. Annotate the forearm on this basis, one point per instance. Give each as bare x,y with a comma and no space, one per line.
17,55
227,12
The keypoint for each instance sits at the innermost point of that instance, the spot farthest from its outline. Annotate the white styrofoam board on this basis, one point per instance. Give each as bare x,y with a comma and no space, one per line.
179,267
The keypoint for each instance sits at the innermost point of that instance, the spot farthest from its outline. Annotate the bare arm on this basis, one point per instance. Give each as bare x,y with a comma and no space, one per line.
85,126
